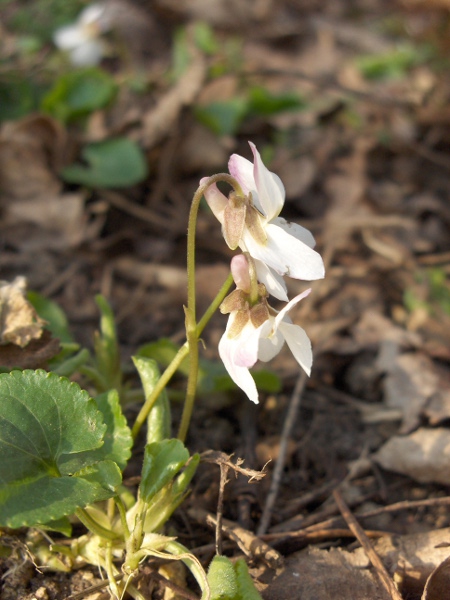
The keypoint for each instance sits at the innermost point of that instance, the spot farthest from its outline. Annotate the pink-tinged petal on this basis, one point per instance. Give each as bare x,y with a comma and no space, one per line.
215,199
240,375
286,254
241,275
246,349
271,192
242,170
299,344
299,232
274,283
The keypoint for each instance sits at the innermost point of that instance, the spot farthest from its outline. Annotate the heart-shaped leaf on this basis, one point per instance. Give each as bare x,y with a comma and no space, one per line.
115,163
50,430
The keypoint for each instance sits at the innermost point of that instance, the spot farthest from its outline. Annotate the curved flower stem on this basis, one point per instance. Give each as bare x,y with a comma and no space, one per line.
193,330
190,311
192,225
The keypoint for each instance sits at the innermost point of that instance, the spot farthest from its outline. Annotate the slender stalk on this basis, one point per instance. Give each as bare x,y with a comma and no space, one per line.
214,304
95,527
191,317
160,385
192,225
193,330
123,515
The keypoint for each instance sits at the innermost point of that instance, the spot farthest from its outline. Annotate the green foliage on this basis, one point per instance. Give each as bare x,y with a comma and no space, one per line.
78,93
393,64
162,461
117,439
431,293
57,322
228,581
19,96
265,104
51,443
225,117
212,376
159,419
114,163
41,17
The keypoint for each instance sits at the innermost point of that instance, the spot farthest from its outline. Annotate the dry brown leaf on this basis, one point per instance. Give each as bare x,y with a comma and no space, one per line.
161,119
325,574
35,355
19,322
31,152
423,455
438,584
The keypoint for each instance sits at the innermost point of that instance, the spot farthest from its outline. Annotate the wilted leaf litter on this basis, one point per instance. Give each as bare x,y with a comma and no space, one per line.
349,105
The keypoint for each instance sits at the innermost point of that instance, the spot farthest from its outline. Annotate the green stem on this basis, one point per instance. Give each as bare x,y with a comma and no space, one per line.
191,317
95,527
179,357
160,385
193,335
192,225
123,515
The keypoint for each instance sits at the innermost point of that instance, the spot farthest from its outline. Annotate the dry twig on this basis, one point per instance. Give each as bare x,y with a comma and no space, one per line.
365,543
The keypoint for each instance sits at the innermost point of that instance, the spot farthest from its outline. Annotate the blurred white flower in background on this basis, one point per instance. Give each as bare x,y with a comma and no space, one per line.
82,40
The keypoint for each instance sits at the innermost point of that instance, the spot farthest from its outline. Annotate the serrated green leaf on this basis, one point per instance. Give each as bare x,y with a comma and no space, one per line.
28,503
79,93
49,431
162,461
117,439
114,163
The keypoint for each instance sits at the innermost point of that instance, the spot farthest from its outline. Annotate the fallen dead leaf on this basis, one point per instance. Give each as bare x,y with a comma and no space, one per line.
19,322
423,455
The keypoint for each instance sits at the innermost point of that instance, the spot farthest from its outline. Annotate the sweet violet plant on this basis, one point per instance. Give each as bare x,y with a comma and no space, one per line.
64,450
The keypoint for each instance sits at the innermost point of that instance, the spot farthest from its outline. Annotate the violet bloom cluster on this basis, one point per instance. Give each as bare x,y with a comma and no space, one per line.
256,331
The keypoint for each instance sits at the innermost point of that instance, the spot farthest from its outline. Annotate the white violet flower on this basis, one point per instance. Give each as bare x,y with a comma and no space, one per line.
82,38
252,223
258,332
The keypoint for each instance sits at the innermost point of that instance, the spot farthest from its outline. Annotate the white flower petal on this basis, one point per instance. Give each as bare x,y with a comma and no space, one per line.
285,254
88,54
215,199
69,37
271,192
274,283
270,342
299,344
299,232
282,315
92,14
